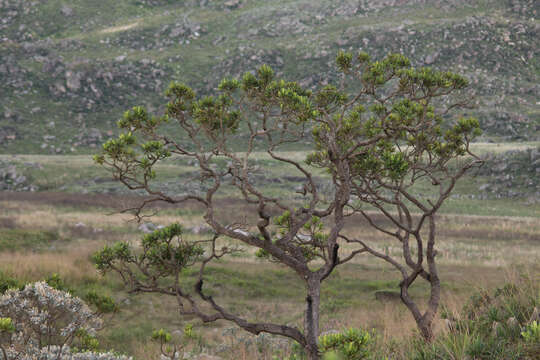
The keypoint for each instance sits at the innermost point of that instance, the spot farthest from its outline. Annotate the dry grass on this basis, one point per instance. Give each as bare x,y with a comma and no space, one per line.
473,251
72,263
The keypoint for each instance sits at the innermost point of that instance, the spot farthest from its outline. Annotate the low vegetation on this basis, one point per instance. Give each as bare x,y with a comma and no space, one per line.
277,220
474,250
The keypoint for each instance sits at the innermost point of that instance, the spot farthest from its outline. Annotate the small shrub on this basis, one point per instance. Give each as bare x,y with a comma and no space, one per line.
488,328
56,282
7,282
43,317
352,344
531,334
174,350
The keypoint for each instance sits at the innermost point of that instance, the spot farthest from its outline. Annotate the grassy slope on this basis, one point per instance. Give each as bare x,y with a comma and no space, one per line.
297,37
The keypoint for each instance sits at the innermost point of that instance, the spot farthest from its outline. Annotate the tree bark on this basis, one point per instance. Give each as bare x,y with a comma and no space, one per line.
311,318
425,326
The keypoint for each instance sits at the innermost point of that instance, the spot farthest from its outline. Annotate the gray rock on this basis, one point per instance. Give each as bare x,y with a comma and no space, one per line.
73,80
535,153
512,322
176,32
201,229
66,10
430,59
149,227
484,187
232,4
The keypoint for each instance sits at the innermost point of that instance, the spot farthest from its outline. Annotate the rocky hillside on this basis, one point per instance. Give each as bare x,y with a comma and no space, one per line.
69,69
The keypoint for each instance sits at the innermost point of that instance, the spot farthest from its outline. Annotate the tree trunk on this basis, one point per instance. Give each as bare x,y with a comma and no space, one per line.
426,329
426,325
311,318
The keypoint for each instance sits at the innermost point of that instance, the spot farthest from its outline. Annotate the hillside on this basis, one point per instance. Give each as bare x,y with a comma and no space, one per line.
69,69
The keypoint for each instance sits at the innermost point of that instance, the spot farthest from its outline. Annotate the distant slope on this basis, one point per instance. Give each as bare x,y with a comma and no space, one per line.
68,69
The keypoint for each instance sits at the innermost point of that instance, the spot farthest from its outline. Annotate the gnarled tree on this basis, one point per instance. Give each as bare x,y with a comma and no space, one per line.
375,140
392,136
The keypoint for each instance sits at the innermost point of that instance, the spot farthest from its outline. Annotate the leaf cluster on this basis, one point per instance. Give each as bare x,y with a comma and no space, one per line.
163,252
352,344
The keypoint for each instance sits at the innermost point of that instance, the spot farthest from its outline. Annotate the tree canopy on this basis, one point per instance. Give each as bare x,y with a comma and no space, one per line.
379,133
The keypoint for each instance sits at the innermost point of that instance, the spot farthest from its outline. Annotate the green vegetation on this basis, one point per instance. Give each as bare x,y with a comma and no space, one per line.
68,71
382,132
16,239
498,325
78,174
351,344
474,250
96,58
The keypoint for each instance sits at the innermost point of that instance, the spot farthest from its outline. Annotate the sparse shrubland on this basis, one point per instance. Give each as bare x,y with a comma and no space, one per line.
305,218
474,250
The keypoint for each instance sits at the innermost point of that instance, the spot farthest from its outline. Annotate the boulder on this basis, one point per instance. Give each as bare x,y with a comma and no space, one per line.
148,227
66,10
73,80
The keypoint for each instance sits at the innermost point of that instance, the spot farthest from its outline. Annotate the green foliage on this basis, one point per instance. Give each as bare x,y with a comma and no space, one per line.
188,331
531,334
328,98
488,327
6,325
181,95
216,115
344,60
7,282
86,341
126,149
163,251
161,335
352,344
56,282
104,304
172,350
160,251
105,258
229,85
405,117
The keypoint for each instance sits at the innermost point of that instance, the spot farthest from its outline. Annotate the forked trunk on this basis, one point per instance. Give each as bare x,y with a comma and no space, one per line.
424,322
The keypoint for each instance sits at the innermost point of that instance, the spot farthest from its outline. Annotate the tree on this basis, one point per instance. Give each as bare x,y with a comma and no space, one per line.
375,136
389,138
